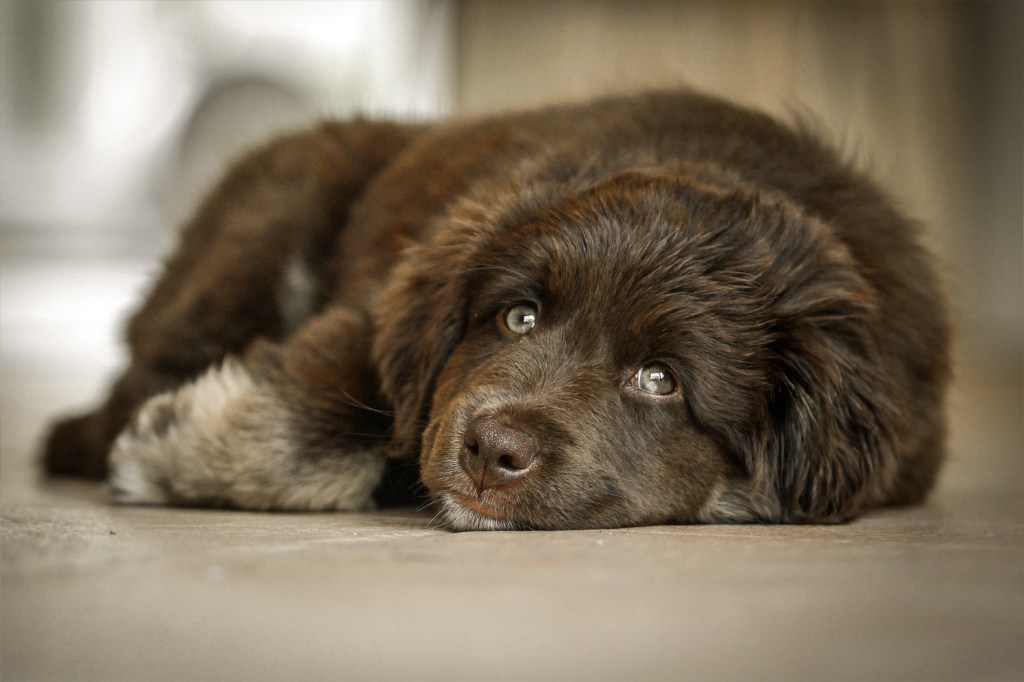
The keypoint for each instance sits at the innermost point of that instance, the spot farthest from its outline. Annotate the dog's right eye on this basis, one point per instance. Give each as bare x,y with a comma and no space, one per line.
520,318
655,379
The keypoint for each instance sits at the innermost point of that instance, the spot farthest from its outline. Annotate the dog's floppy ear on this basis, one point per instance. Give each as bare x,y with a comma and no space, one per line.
419,321
827,434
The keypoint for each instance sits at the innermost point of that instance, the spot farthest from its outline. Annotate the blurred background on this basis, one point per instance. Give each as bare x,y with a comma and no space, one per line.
114,116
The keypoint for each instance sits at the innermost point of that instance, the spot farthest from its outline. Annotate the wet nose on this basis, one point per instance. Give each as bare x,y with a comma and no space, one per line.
495,453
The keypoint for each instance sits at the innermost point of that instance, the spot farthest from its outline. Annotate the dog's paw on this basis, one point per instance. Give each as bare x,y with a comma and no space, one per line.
142,453
184,446
134,481
227,439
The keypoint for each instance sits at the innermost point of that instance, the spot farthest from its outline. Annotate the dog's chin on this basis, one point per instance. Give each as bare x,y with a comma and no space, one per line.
460,513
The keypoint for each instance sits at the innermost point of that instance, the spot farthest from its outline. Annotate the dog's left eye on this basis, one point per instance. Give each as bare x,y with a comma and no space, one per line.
520,319
655,378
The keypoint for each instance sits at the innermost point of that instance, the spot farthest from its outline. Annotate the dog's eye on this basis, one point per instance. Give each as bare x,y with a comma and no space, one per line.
655,378
520,319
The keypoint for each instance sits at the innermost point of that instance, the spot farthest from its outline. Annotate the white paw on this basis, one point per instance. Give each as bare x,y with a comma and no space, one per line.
226,440
132,482
166,451
136,471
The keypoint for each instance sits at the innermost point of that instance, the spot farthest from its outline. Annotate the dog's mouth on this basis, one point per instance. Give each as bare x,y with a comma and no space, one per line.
474,466
480,507
462,512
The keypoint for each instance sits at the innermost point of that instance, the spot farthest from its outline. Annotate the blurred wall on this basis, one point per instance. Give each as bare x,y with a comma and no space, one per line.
924,95
116,115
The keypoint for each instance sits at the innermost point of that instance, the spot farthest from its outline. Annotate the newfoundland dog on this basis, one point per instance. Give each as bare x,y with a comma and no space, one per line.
642,310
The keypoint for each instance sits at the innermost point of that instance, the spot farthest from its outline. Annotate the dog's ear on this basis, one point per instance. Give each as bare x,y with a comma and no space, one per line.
419,321
829,421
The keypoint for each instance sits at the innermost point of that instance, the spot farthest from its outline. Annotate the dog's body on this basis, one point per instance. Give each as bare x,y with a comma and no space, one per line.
643,310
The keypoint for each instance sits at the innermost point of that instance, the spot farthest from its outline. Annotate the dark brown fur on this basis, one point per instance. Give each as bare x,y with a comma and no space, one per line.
791,301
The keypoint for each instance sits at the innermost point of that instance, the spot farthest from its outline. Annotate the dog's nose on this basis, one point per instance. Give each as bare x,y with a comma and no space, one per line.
496,454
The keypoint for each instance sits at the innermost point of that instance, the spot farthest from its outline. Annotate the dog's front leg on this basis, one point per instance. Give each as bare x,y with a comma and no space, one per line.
292,427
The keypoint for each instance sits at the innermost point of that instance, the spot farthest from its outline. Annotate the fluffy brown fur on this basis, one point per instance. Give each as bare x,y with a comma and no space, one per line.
641,310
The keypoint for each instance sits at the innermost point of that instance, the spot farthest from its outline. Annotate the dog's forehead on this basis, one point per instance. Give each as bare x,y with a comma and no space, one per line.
647,255
586,259
638,278
610,259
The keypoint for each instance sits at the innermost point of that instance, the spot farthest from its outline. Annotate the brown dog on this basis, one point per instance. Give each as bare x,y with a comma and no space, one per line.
641,310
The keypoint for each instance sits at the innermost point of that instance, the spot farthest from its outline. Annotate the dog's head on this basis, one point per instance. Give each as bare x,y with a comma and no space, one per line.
646,350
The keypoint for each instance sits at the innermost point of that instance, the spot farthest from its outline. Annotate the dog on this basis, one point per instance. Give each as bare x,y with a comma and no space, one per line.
661,308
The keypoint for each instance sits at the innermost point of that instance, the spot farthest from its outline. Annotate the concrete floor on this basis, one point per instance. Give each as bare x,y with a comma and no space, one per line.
95,592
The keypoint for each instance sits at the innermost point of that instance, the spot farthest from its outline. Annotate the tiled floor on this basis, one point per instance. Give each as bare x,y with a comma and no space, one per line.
95,592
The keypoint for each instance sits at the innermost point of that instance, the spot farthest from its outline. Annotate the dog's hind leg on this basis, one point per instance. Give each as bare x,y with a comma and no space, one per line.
256,259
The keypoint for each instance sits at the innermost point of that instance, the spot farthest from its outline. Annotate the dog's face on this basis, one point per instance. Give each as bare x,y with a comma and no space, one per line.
610,362
566,402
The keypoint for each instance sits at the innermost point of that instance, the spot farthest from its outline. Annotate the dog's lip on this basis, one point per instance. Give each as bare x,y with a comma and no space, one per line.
478,506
